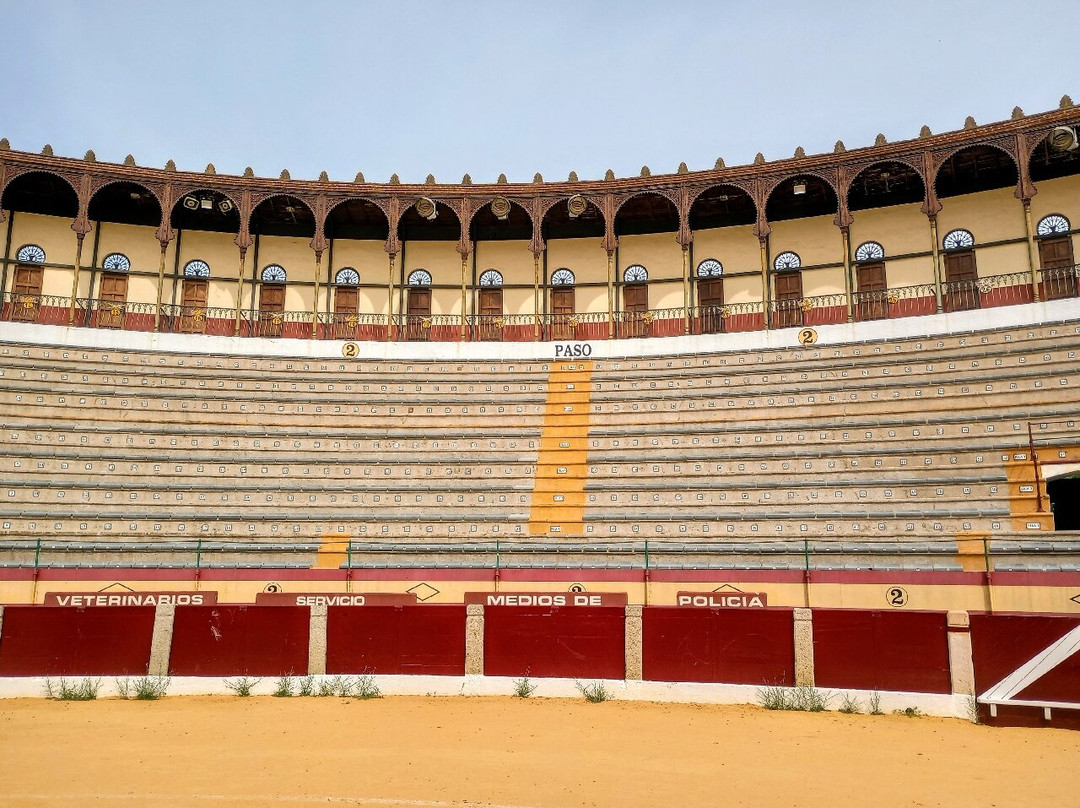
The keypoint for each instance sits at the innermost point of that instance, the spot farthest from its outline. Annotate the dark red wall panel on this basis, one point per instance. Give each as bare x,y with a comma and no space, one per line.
72,641
1002,643
240,640
396,639
735,646
871,650
574,641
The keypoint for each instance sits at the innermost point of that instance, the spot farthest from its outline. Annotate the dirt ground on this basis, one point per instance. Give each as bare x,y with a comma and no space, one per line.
228,752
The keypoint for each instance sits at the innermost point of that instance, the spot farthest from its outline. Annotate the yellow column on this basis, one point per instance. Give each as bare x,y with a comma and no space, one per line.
390,302
937,261
464,270
764,252
536,297
686,288
239,292
611,294
160,285
849,281
1033,258
315,303
75,279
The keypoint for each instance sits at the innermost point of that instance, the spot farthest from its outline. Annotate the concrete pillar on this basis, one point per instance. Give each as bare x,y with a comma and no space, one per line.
961,666
316,660
474,639
161,643
804,648
633,642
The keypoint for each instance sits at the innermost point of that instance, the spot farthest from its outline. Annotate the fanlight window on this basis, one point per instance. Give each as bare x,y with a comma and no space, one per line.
710,268
870,251
347,276
31,254
197,269
273,274
491,278
958,240
420,277
1052,224
636,274
787,260
116,262
562,277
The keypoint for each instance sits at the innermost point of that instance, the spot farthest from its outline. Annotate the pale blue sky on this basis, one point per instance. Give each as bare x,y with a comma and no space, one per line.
489,87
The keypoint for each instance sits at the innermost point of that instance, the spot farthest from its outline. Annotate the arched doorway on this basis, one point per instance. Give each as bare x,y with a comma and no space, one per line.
346,303
635,299
1056,257
489,320
418,316
562,304
710,295
193,308
272,301
870,283
112,295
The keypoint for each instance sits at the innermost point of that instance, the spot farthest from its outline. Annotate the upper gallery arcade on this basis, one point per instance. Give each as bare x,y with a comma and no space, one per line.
979,217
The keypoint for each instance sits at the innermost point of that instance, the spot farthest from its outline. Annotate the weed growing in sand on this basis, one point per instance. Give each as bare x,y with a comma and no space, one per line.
849,704
594,692
875,704
142,688
365,687
242,685
306,686
524,687
284,687
802,698
774,697
63,690
910,712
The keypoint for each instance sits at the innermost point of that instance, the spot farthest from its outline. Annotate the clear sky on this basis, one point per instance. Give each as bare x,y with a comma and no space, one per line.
489,87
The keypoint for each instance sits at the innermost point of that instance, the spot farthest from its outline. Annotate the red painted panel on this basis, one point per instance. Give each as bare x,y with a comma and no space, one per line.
1002,643
871,650
61,640
239,640
566,642
396,639
736,646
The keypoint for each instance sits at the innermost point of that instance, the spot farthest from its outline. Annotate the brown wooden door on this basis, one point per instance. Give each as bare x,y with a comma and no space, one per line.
635,304
193,306
346,307
872,291
788,299
562,310
271,308
711,303
419,312
491,310
1058,270
26,294
961,293
112,299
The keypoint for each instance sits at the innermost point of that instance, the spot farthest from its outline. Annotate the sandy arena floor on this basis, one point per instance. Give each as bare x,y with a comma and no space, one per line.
442,752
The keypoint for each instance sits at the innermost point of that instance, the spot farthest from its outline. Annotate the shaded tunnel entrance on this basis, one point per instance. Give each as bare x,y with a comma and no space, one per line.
1064,495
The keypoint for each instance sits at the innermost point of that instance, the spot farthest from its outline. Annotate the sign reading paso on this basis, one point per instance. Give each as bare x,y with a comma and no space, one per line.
546,598
573,350
130,598
722,600
335,599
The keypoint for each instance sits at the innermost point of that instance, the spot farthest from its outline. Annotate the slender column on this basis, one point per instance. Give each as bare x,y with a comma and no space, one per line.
763,248
536,297
961,666
315,301
317,640
804,648
686,288
1033,257
611,294
474,639
464,271
239,291
633,642
161,642
936,252
849,281
160,285
75,277
390,302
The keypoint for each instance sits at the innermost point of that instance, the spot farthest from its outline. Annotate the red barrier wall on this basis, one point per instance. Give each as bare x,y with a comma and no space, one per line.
575,641
870,650
1002,643
735,646
396,639
240,640
72,641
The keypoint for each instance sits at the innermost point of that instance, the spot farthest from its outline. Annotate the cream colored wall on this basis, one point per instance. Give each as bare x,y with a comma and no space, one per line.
901,272
659,253
666,295
512,258
518,301
142,248
370,259
825,281
736,248
587,259
441,259
1002,259
54,235
298,259
744,289
900,229
990,216
221,253
815,240
1057,196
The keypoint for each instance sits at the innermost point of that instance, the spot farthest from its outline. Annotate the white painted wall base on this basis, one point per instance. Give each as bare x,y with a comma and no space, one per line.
948,706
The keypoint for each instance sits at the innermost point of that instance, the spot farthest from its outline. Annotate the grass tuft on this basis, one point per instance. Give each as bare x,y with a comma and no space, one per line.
524,687
81,690
875,704
284,687
594,692
242,685
802,698
849,704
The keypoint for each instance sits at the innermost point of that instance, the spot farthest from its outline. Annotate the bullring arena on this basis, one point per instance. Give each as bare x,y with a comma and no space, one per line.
804,426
